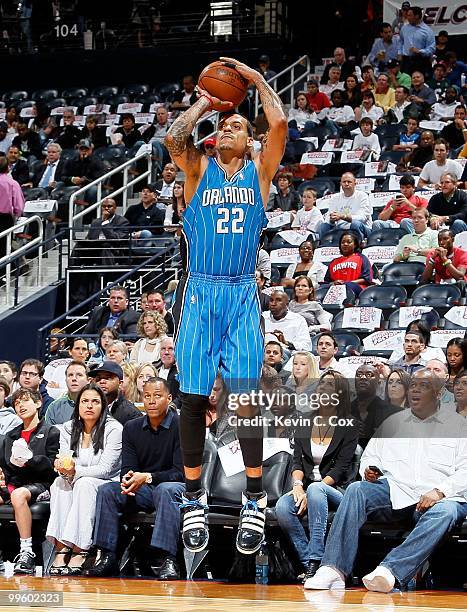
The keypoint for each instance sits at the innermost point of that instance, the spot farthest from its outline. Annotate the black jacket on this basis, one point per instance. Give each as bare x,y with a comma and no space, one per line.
123,410
39,173
456,207
44,443
68,136
30,144
152,217
113,230
97,136
337,459
20,172
126,323
90,168
378,411
130,139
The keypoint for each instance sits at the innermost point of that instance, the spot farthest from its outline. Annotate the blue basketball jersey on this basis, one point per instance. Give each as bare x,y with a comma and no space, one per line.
223,223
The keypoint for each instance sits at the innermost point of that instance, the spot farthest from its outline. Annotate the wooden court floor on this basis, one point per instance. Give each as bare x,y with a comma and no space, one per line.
153,596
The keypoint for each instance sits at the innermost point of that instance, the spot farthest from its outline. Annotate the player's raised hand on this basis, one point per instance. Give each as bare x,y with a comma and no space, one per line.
216,104
250,74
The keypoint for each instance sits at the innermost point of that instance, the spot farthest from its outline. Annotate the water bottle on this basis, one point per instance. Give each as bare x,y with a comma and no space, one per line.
262,565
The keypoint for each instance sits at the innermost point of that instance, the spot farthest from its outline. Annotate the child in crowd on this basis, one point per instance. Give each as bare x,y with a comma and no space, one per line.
367,140
408,141
309,217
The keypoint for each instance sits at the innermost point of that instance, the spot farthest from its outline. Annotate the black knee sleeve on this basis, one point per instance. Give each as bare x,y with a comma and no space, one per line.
251,439
193,428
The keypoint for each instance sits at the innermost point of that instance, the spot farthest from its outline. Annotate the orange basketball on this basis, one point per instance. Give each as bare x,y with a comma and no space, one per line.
223,82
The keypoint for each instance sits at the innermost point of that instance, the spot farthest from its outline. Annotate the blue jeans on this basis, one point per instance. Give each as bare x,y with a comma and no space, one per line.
405,224
163,499
458,226
362,230
365,499
320,498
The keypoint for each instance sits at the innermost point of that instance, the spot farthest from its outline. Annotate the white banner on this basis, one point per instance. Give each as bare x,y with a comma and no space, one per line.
355,361
337,145
231,457
435,126
440,337
313,139
336,294
154,106
295,238
457,315
351,157
365,184
323,203
142,118
59,110
386,340
362,317
277,219
460,240
379,199
394,181
94,109
318,158
407,314
285,256
129,107
40,206
376,168
380,254
449,15
325,254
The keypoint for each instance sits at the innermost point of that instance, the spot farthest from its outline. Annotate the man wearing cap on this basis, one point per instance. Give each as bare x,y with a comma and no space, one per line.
401,18
146,214
317,100
210,147
396,77
109,377
384,49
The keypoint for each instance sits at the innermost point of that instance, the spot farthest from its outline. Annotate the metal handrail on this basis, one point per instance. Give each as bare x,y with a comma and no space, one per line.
92,298
72,218
8,233
302,61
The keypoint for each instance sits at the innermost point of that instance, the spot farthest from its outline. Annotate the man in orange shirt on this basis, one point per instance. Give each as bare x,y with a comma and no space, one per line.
398,211
447,263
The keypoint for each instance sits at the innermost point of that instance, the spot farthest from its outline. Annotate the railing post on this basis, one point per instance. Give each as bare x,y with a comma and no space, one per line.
125,191
292,88
8,271
40,252
150,165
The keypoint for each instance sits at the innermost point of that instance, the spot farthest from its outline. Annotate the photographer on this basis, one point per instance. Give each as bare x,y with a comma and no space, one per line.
398,211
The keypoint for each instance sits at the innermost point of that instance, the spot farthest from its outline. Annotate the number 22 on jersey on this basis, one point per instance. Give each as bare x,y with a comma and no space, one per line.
230,220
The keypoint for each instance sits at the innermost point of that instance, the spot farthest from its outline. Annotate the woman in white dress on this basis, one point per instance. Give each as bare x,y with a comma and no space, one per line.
96,441
153,329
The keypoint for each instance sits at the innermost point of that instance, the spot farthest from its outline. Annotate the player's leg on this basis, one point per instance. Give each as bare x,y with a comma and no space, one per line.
241,362
197,352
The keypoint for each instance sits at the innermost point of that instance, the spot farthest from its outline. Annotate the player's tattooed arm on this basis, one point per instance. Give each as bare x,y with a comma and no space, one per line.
179,142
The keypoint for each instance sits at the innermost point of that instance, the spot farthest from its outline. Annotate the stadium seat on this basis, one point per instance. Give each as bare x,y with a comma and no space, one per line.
386,237
432,319
113,155
25,104
87,101
441,297
337,325
104,91
331,238
322,186
405,273
386,298
280,243
147,99
392,156
390,130
75,92
14,96
56,102
321,132
34,193
136,89
450,325
114,101
275,275
68,154
348,343
166,90
44,95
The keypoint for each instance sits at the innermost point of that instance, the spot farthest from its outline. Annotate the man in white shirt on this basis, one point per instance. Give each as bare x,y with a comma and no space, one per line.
416,464
334,81
434,169
349,209
290,329
412,360
444,111
326,349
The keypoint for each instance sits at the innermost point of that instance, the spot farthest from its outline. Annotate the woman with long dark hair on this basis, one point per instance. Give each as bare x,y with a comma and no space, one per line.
89,456
397,387
353,91
456,353
106,336
323,453
305,304
174,212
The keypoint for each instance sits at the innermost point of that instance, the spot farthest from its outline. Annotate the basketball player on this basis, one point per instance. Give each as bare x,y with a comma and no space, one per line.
216,310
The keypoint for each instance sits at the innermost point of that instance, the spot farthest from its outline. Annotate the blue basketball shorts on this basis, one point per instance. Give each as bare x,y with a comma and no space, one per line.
218,330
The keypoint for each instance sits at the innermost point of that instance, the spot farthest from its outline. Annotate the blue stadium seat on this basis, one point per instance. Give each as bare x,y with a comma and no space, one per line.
136,89
14,96
322,186
386,298
386,237
441,297
404,273
75,92
104,91
280,243
56,102
432,319
320,294
44,95
337,325
331,238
